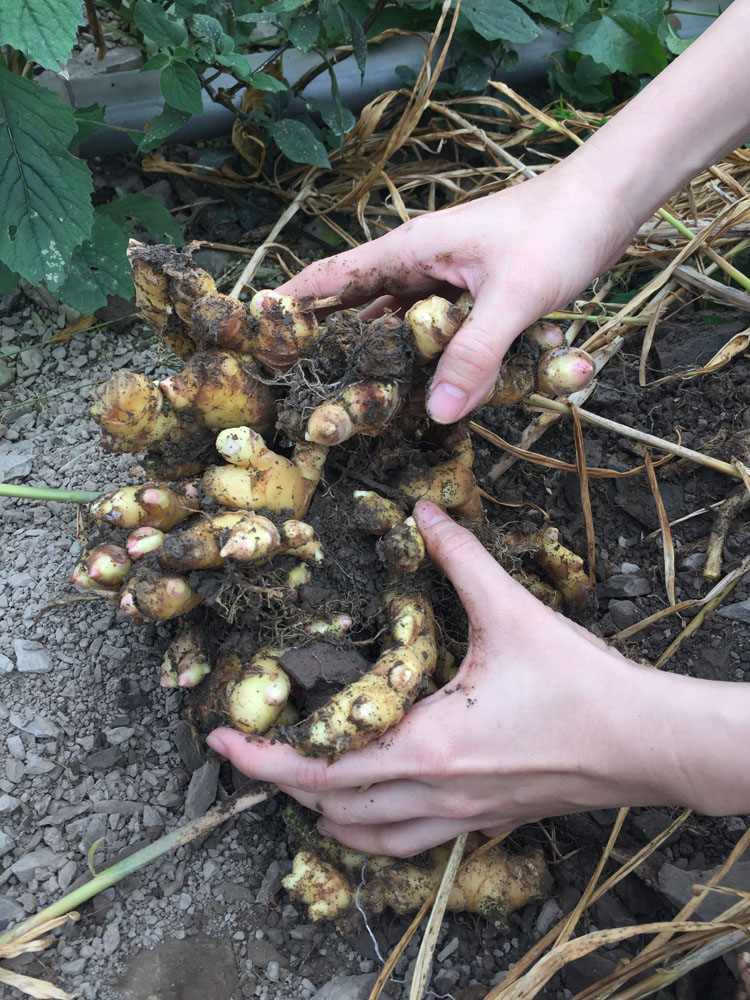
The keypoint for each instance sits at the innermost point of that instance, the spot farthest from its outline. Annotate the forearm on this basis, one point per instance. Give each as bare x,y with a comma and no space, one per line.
680,741
687,118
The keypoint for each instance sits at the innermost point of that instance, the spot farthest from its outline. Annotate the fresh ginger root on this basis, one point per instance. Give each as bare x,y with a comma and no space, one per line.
402,549
450,484
255,691
221,389
325,876
434,321
258,478
367,708
563,567
134,415
186,662
148,506
365,407
157,597
104,567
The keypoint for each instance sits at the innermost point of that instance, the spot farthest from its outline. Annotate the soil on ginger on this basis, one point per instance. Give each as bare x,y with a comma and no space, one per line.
96,749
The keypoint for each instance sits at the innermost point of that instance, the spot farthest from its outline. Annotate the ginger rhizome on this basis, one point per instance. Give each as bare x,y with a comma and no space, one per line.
326,875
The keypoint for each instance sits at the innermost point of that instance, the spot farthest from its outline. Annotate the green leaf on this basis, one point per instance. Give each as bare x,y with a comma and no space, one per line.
263,81
587,82
8,279
304,31
168,120
623,37
88,120
98,268
154,216
674,43
162,28
285,6
157,61
45,192
472,75
208,28
338,118
357,36
500,19
237,63
181,88
44,30
297,142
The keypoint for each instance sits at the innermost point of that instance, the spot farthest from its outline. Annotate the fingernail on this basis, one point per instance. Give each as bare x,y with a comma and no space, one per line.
446,402
428,513
217,744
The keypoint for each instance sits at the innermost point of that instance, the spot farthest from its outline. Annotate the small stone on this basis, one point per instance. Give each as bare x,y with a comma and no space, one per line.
448,950
26,869
38,726
549,914
188,746
629,567
347,988
6,664
739,612
7,843
118,735
102,759
151,817
8,804
39,765
66,874
15,747
624,613
202,789
14,770
10,911
623,585
110,939
262,952
73,968
273,972
31,657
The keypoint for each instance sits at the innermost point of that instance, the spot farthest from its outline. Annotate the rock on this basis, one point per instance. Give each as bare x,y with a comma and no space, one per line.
118,735
6,664
188,746
10,912
151,817
27,868
111,939
549,915
15,747
650,822
102,760
14,770
233,892
30,361
676,885
347,988
8,804
447,950
590,969
7,843
739,612
623,585
271,884
39,765
624,613
201,791
38,726
193,969
31,657
261,952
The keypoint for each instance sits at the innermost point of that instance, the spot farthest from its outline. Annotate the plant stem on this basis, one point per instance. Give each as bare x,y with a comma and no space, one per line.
117,872
47,493
542,403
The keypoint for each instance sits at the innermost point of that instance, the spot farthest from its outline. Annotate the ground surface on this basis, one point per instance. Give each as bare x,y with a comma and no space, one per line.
94,750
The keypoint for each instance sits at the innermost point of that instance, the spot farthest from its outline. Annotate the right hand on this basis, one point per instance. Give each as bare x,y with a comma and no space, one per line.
521,253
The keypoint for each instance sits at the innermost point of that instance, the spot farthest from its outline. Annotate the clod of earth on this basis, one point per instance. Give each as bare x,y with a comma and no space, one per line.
235,541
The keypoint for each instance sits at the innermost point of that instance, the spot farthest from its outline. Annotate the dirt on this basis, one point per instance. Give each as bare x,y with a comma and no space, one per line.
223,896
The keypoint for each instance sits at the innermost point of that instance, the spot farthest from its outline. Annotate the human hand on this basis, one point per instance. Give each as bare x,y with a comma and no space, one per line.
520,252
542,719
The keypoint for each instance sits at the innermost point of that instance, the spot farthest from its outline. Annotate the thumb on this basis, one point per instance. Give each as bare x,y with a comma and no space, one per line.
485,589
469,364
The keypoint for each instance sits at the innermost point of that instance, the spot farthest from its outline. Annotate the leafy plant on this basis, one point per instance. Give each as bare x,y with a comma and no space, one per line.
50,231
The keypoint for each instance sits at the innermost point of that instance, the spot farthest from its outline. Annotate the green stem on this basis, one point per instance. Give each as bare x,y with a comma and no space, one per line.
47,493
116,873
727,268
628,320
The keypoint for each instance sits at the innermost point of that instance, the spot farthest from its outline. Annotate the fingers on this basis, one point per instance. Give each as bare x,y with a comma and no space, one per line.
489,595
469,364
363,273
398,840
